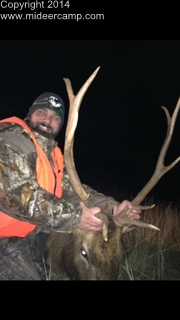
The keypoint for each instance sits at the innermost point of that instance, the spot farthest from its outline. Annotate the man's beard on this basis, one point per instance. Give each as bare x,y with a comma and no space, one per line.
36,127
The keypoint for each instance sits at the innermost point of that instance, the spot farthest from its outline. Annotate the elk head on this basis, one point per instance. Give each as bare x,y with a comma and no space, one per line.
86,255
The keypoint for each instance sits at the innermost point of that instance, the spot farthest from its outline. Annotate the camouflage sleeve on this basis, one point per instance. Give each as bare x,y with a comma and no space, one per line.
20,195
97,198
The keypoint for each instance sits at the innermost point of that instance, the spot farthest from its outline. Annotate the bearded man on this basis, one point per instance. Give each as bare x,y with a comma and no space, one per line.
36,196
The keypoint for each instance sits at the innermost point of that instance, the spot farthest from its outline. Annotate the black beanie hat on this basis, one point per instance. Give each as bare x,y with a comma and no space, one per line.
50,101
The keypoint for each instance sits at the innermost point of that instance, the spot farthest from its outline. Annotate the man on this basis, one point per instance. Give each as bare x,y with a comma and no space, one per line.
35,193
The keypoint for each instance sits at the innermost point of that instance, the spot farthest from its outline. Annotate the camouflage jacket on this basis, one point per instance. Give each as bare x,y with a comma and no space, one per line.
18,167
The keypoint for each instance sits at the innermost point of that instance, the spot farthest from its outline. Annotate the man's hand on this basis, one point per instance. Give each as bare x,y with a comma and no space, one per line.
135,214
88,221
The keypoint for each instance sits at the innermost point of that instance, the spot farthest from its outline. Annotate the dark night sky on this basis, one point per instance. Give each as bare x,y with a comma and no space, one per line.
121,124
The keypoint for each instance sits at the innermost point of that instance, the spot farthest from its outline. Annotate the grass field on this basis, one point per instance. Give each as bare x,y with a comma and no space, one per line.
150,254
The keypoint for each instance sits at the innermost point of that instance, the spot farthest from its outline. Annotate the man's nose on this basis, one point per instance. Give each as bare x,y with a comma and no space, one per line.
47,119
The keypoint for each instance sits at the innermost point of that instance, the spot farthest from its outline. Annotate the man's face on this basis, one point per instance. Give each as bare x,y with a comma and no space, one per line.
46,122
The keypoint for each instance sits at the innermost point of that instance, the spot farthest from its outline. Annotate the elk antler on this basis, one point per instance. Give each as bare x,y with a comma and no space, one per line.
75,102
123,218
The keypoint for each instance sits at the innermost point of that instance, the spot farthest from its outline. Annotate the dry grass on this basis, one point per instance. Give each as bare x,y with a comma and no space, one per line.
153,255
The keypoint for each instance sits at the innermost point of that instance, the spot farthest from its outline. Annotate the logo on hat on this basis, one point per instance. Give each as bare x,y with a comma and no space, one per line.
52,100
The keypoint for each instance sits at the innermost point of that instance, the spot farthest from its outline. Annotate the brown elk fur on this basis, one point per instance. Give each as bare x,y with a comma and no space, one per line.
101,260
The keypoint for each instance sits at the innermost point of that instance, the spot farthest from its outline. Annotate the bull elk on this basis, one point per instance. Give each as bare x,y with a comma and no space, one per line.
85,255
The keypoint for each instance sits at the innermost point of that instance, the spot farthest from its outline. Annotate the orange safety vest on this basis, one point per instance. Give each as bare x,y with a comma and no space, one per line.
47,179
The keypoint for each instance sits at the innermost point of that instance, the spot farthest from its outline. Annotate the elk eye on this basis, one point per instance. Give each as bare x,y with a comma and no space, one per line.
84,253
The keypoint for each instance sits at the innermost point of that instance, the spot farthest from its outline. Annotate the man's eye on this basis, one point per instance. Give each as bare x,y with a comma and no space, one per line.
41,112
56,118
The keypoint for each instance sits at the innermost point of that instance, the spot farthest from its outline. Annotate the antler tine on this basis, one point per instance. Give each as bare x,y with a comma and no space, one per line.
74,105
160,170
